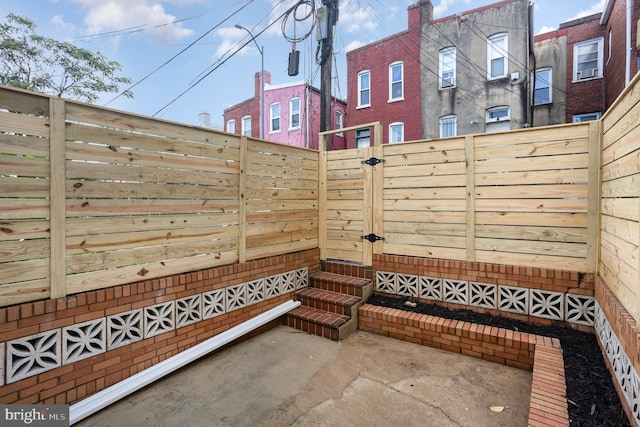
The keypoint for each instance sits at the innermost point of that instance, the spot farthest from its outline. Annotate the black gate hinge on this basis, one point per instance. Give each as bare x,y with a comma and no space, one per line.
372,161
372,237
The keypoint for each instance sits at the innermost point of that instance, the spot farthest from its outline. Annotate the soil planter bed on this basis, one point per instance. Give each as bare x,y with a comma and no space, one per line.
591,399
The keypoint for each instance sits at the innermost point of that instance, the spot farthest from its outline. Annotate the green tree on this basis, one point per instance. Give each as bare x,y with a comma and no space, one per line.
41,64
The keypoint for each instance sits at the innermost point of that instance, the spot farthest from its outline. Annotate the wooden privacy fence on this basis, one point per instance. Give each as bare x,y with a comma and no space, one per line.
92,198
525,198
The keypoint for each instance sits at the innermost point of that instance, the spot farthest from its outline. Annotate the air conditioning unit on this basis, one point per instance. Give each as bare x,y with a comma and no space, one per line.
587,74
448,82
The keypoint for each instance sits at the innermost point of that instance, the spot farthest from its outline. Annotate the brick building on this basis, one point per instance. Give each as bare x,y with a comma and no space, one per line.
383,81
291,114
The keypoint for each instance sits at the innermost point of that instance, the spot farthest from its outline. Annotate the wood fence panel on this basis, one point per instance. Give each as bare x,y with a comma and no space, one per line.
281,199
25,167
619,264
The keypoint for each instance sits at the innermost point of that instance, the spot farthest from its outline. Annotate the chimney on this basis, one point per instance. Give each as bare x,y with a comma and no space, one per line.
204,119
267,81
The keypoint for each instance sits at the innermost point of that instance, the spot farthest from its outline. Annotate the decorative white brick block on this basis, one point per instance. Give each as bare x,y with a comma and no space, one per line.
213,303
33,355
580,309
83,340
188,310
302,278
1,364
483,295
547,304
430,288
407,285
513,299
386,282
124,328
272,286
159,318
455,291
236,296
255,291
288,282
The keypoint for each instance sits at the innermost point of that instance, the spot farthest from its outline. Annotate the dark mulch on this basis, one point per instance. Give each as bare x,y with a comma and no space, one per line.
592,398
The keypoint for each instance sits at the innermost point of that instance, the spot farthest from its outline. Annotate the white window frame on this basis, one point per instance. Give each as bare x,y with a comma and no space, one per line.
274,118
393,66
246,126
293,112
449,82
496,51
361,90
339,122
231,126
363,137
547,82
591,73
586,117
501,118
396,125
448,120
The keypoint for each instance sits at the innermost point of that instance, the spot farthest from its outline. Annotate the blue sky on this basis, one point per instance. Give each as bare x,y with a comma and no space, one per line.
144,34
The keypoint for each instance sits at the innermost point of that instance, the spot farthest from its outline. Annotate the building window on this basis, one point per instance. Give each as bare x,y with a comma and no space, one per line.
396,78
275,117
497,56
542,93
587,117
448,126
587,59
246,125
363,138
231,126
294,113
339,124
364,89
447,67
396,132
498,119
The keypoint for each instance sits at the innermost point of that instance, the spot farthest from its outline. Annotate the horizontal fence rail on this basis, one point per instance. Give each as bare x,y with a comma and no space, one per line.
92,198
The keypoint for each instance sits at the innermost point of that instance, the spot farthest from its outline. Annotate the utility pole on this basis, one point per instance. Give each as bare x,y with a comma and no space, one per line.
325,36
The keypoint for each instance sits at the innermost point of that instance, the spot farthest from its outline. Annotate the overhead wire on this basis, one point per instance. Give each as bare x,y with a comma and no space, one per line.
181,52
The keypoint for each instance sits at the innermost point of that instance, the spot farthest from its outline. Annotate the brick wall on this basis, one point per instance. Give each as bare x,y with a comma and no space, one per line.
619,339
556,283
72,382
249,107
585,96
615,58
376,57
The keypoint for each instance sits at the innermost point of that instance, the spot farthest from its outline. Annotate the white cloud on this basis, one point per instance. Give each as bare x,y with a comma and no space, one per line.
145,15
596,8
546,29
232,39
354,45
358,18
443,7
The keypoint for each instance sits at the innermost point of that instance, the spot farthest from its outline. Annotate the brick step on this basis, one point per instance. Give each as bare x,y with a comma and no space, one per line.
333,302
321,322
349,285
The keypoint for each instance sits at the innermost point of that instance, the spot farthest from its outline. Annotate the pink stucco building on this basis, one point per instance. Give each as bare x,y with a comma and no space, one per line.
291,114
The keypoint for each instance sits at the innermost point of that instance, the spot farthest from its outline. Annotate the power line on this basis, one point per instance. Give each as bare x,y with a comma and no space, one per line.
180,53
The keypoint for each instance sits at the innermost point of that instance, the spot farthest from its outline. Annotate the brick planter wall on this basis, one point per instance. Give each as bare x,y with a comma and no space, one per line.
542,355
133,327
619,340
534,295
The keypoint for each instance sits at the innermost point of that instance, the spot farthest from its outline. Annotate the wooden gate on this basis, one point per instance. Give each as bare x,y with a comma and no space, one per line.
350,214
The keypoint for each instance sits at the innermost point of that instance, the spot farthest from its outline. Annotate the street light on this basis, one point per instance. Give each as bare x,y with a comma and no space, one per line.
261,79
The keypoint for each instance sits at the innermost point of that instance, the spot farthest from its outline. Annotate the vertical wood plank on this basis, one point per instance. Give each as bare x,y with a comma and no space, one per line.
57,203
471,199
367,206
594,197
242,212
322,204
377,134
378,201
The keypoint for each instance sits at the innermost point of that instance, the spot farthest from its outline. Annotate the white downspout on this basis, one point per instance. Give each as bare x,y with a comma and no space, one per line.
104,398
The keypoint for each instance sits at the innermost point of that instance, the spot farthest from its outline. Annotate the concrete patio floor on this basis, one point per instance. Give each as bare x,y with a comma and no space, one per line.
284,377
